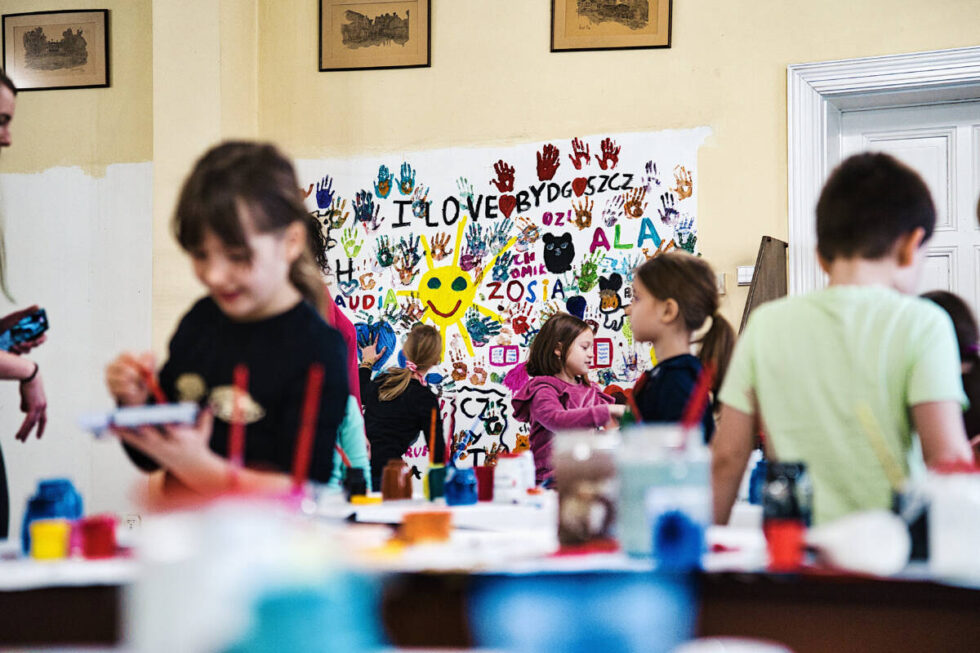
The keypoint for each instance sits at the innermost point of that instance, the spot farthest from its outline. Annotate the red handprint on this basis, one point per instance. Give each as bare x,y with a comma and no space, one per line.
580,153
505,176
548,162
610,154
520,319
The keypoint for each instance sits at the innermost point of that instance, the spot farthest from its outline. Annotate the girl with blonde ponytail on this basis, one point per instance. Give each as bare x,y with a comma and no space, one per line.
398,404
674,295
240,217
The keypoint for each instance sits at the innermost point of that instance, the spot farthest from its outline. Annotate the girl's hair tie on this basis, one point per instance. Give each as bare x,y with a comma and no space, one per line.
410,366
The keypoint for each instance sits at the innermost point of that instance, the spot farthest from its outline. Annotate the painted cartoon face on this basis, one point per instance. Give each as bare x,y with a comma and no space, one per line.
447,292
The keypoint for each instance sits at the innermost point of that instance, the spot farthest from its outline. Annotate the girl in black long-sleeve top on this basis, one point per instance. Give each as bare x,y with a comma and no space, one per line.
397,404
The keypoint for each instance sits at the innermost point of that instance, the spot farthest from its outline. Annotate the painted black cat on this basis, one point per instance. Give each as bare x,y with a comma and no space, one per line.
558,252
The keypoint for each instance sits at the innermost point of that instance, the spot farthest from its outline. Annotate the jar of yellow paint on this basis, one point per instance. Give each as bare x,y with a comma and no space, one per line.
49,539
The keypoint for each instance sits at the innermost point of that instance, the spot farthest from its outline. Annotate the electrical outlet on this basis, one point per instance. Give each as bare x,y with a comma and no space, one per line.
132,522
720,282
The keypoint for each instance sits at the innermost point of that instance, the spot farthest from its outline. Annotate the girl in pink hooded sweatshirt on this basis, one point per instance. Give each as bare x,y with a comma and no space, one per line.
559,397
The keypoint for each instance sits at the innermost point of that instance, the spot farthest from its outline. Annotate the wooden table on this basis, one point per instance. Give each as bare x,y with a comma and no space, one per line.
812,612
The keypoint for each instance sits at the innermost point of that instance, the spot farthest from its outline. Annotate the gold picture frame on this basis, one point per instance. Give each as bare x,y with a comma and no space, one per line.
609,24
51,50
374,34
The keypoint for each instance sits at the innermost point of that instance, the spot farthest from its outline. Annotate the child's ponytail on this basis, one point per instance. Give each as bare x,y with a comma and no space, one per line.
716,348
422,349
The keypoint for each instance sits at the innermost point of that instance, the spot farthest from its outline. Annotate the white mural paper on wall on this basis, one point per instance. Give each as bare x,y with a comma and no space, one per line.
81,247
487,243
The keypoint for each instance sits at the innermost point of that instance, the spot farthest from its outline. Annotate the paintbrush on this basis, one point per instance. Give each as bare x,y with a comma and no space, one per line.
236,432
698,401
304,440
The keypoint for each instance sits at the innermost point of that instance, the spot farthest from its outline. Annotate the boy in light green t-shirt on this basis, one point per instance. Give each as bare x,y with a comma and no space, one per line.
840,378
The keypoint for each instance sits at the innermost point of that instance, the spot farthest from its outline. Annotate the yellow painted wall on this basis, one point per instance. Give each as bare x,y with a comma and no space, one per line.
494,80
91,128
205,79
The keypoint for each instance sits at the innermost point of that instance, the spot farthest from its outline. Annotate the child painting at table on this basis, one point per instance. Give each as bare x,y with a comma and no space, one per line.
559,396
674,295
241,219
844,378
398,404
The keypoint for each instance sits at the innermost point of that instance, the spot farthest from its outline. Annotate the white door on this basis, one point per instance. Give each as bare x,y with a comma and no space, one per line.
942,143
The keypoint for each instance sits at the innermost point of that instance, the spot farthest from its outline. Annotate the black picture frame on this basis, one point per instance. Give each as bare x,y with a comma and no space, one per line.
424,5
661,40
32,80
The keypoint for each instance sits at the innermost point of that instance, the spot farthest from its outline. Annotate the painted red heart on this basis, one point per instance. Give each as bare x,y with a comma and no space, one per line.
578,185
507,204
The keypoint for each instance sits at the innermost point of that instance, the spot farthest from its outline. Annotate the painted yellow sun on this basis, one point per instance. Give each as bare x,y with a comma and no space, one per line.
448,291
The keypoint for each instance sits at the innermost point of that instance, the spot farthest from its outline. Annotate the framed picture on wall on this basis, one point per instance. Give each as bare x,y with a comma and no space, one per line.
372,34
609,24
47,50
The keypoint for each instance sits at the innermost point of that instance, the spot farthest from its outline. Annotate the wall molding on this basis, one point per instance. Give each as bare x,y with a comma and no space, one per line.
817,94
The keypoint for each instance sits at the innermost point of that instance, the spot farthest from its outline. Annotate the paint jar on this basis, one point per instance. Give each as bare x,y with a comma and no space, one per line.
461,486
98,535
435,481
508,480
49,538
354,482
661,468
54,498
484,482
788,492
431,526
396,480
787,500
585,477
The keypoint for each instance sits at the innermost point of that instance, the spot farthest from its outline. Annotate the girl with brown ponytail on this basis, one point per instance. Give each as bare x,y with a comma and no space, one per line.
241,219
674,295
397,404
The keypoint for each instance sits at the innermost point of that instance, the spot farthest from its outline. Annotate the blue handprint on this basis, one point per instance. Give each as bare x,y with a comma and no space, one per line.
498,235
474,240
324,193
687,237
364,209
383,186
481,329
501,269
420,205
407,182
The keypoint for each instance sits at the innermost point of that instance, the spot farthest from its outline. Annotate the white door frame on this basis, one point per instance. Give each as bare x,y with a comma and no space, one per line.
816,95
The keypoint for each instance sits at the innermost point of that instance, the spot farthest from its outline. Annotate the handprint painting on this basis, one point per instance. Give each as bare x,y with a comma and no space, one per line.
447,292
487,243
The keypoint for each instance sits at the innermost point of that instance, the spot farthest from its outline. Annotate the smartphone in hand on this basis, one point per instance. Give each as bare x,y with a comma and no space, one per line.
27,328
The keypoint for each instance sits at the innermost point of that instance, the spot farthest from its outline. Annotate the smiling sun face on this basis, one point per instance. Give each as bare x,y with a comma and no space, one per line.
448,291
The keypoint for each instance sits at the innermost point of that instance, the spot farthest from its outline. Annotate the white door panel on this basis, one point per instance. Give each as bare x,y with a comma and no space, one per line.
942,143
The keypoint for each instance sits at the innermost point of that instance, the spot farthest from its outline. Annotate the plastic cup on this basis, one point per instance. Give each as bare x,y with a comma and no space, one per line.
49,539
98,536
784,540
435,482
484,482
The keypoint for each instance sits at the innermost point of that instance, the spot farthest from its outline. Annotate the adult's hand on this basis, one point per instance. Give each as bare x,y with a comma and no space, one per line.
34,403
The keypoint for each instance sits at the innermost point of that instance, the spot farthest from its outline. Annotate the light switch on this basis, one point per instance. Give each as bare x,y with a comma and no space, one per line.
745,274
